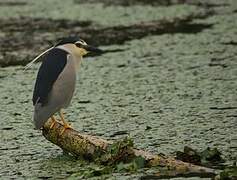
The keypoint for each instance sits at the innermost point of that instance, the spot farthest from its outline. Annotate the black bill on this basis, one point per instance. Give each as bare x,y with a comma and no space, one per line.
92,49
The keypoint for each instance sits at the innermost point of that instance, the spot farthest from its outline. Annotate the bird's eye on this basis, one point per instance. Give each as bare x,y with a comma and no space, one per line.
78,44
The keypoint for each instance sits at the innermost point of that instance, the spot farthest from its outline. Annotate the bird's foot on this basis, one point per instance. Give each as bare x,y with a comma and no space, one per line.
65,127
53,122
65,124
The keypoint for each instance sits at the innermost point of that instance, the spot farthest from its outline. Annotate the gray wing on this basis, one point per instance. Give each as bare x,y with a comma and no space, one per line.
53,64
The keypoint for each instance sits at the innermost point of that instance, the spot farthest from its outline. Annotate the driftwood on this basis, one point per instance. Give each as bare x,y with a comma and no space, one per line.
91,147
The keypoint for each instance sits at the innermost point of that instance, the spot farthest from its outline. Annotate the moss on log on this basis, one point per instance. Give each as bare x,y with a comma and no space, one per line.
92,148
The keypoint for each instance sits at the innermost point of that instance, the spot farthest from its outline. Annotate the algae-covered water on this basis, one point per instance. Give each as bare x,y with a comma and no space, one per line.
164,91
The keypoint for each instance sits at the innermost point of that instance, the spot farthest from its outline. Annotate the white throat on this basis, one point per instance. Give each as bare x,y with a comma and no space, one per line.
71,49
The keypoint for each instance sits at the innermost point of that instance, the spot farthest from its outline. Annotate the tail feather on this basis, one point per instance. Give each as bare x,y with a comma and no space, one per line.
41,115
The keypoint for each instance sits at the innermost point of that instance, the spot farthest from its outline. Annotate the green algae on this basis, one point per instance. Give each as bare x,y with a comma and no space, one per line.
229,173
174,83
98,13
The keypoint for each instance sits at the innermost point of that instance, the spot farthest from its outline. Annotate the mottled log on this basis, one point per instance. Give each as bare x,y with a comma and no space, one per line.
91,147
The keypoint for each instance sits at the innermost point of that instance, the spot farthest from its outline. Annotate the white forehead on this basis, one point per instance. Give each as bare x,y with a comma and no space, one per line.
81,42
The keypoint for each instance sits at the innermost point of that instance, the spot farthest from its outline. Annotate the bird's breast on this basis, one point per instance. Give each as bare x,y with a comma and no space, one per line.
77,62
64,86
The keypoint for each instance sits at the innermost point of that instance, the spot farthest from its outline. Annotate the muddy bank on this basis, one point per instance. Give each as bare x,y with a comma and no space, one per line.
25,45
23,37
155,2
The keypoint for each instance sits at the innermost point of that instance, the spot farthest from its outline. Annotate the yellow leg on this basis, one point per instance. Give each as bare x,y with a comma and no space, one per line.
53,123
65,124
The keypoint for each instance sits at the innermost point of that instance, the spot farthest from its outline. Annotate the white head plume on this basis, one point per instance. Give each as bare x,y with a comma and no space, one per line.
35,59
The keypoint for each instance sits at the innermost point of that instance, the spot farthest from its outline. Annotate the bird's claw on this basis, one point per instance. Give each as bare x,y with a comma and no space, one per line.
52,124
65,127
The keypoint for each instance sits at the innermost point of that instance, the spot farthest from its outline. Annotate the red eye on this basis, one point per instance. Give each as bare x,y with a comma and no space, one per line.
78,44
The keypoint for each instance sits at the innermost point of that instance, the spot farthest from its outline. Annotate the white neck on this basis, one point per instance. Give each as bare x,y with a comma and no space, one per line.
72,50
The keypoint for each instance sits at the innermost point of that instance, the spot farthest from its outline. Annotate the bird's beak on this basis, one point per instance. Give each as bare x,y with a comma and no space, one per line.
92,49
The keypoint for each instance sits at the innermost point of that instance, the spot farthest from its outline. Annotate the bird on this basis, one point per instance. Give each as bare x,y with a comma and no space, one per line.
56,79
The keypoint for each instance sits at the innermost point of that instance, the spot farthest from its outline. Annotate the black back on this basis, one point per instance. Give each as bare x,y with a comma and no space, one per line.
53,64
68,40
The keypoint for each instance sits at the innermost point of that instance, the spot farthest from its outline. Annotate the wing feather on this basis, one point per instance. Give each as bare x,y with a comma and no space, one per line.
53,64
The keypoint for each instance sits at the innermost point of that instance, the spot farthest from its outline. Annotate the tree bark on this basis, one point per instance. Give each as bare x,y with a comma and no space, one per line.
91,147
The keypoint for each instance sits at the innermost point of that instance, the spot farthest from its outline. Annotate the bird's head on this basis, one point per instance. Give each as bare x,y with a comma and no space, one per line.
77,46
74,45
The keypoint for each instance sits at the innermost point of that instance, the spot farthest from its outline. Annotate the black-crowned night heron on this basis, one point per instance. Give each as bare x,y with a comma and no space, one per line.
56,79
